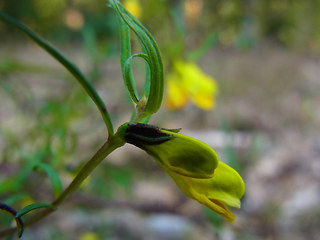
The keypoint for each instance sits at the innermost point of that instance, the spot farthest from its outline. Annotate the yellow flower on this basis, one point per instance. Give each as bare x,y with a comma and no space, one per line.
193,165
89,236
188,82
133,7
176,97
224,188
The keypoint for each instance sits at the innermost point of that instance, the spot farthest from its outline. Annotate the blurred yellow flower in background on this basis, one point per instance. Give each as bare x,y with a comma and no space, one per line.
188,82
89,236
134,7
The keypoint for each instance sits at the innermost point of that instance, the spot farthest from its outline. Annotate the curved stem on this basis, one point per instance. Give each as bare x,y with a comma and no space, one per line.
88,87
112,144
104,151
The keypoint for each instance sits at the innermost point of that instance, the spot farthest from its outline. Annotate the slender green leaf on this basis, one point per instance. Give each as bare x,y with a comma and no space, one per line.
125,54
54,177
128,77
32,207
155,93
67,64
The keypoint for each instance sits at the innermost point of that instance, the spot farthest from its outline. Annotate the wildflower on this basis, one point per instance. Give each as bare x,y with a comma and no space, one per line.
193,165
188,82
89,236
134,7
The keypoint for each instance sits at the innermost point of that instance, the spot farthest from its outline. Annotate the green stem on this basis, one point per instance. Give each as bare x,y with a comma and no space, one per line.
88,87
112,144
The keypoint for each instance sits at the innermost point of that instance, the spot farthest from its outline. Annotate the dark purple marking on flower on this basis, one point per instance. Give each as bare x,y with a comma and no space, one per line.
140,134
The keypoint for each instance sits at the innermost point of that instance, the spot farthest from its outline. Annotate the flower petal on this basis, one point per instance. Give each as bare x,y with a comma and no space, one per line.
185,155
225,187
200,87
176,95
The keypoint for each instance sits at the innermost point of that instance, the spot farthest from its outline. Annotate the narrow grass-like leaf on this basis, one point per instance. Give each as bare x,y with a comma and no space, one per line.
67,64
54,178
128,76
32,207
151,49
125,54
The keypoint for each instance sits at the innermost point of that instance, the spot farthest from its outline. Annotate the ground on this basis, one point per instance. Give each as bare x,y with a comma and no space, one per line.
265,124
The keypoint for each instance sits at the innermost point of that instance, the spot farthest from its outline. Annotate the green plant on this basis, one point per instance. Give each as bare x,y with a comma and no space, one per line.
193,165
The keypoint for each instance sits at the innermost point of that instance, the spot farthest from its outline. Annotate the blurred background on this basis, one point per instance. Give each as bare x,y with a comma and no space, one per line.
241,75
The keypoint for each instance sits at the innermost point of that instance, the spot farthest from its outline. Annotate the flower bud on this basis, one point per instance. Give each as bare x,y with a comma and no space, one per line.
193,165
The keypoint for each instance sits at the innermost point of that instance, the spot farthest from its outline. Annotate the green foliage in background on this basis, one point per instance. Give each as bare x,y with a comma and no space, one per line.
240,23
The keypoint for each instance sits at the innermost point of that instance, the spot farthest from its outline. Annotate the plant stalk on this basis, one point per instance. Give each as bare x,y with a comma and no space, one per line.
108,147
